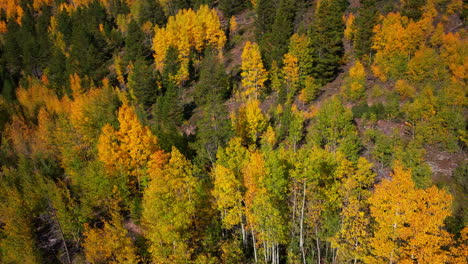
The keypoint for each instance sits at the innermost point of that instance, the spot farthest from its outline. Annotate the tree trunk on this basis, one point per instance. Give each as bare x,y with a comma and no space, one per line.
301,232
318,245
254,246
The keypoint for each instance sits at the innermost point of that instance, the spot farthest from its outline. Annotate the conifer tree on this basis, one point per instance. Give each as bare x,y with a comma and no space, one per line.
265,17
281,31
327,39
363,25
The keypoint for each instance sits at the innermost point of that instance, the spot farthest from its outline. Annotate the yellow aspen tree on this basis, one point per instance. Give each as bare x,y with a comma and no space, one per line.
354,85
186,30
258,208
129,149
299,46
459,248
409,221
17,244
352,239
349,29
249,123
169,207
228,196
233,26
454,54
291,74
391,46
109,244
228,184
253,73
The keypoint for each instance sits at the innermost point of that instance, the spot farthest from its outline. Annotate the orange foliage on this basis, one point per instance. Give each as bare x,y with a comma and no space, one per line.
455,55
130,148
409,221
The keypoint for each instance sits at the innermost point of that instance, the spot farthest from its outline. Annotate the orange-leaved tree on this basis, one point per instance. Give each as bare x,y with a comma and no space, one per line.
408,221
129,149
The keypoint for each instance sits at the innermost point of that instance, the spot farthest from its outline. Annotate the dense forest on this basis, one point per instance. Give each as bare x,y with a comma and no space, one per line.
233,131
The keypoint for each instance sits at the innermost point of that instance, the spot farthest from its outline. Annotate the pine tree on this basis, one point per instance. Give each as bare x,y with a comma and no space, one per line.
363,25
265,17
231,7
327,39
141,83
281,31
412,8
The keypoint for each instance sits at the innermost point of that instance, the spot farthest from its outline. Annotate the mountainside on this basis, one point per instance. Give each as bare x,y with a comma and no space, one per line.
233,131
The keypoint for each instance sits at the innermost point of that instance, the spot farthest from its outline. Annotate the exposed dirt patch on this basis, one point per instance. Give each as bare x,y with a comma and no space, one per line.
133,228
245,21
443,163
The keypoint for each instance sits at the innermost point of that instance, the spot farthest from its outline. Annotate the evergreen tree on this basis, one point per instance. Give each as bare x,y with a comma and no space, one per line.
173,6
412,8
213,84
327,39
231,7
363,25
135,43
213,130
141,83
265,11
152,11
281,31
168,109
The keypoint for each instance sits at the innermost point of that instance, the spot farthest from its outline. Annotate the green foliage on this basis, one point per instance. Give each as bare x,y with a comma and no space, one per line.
141,83
363,25
412,8
71,162
363,110
326,34
213,84
334,129
213,131
281,30
231,7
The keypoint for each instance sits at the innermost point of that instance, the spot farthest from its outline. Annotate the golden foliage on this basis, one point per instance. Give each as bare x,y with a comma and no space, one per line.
37,96
349,30
253,73
185,31
409,221
130,148
404,89
249,123
17,242
291,73
354,87
169,206
233,26
228,195
110,244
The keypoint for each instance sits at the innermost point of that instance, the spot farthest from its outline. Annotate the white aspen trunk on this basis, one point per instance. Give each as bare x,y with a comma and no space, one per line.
294,208
277,253
318,245
243,233
301,232
273,253
254,246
